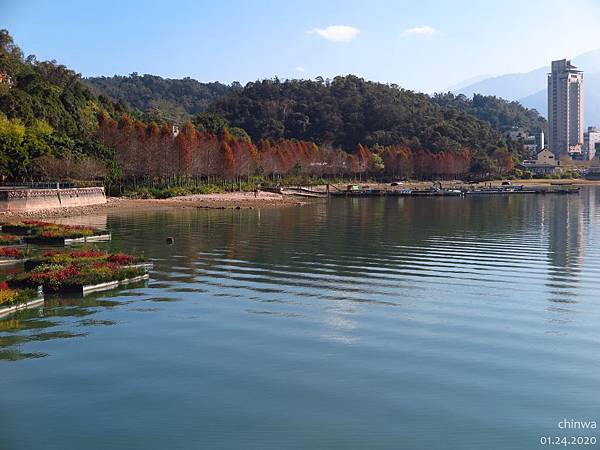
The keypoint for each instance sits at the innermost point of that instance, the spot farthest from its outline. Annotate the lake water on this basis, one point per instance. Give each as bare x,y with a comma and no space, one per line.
440,323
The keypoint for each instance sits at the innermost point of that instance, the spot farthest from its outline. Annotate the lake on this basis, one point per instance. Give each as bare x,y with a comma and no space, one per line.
413,323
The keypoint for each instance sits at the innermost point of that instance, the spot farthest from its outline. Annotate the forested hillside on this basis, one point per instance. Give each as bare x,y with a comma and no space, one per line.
182,99
47,112
348,111
53,126
179,99
498,113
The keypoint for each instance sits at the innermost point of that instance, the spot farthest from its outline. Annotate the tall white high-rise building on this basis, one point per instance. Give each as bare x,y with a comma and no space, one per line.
565,108
591,143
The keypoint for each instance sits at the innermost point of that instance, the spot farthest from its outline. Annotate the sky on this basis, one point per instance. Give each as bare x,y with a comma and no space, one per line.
420,45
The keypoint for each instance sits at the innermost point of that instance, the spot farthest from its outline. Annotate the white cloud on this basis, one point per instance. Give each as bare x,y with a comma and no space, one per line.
300,69
424,30
336,33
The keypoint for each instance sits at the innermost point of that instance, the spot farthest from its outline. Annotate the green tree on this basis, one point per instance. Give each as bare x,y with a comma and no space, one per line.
210,122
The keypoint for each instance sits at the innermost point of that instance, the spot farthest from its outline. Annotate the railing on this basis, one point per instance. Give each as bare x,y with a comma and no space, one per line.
49,185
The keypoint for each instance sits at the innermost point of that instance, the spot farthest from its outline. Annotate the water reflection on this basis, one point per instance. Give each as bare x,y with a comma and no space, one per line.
332,263
47,323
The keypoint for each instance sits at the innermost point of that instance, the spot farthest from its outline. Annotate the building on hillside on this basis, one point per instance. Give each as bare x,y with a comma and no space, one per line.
530,144
545,162
540,140
591,143
533,143
5,79
516,133
565,109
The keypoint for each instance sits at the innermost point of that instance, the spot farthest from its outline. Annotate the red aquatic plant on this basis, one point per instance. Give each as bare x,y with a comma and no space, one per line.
38,223
11,252
57,275
121,258
9,238
87,254
76,228
106,265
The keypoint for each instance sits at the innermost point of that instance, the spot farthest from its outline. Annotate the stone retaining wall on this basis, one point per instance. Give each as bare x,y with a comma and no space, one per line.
35,199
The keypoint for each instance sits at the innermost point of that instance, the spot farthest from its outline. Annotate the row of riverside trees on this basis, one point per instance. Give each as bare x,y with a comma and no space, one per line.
149,153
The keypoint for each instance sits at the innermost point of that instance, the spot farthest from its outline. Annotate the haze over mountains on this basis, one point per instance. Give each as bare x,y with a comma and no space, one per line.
530,88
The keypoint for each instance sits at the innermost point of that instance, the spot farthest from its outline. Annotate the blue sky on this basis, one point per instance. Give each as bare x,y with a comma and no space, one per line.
421,45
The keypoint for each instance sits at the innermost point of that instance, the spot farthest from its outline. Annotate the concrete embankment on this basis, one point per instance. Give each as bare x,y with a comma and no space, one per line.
28,199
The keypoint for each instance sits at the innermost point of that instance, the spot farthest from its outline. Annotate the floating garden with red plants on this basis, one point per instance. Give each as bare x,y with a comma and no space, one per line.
10,255
38,232
10,252
84,257
11,298
9,239
80,270
26,227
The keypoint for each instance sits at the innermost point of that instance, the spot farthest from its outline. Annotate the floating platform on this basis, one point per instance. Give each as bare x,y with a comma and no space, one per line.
85,290
33,303
17,230
457,192
66,241
11,261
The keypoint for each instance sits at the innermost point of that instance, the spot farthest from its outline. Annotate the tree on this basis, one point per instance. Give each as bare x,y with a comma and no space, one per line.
210,122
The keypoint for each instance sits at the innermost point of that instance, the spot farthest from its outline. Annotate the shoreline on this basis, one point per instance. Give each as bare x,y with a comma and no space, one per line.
247,200
229,200
454,183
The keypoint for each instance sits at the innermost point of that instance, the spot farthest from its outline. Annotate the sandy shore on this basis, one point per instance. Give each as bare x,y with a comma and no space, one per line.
229,200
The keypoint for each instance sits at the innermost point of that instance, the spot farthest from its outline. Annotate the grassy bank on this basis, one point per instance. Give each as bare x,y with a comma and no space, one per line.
192,187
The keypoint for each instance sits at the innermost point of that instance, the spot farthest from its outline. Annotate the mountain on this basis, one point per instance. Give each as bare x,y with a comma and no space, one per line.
530,88
511,86
179,99
464,83
348,111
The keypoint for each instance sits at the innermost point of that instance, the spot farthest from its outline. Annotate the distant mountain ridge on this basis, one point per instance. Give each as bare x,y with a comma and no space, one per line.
529,88
468,82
